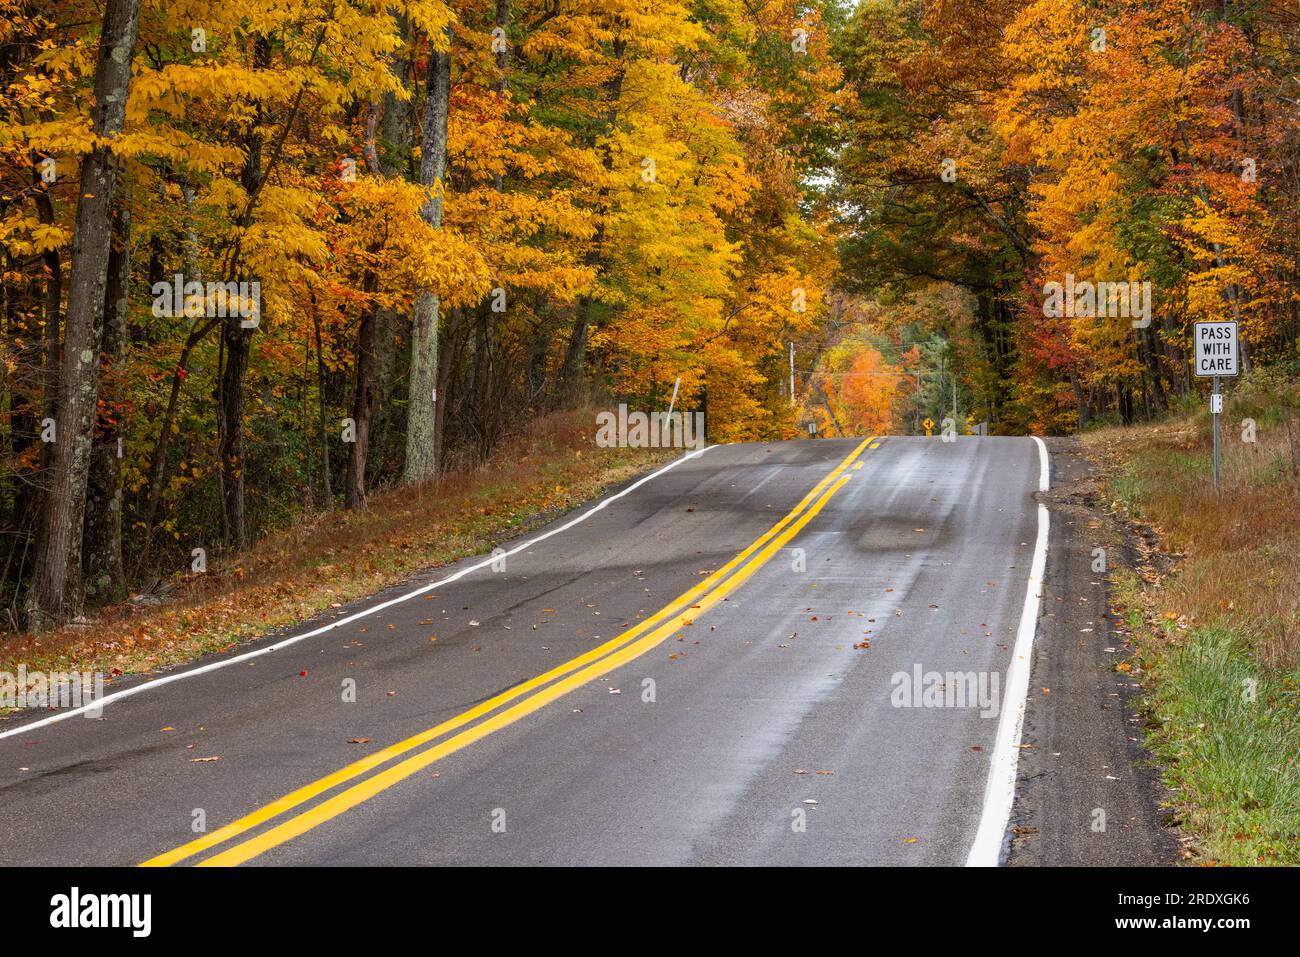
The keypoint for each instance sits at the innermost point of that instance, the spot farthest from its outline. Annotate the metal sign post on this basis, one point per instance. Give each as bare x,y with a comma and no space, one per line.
1215,352
1216,407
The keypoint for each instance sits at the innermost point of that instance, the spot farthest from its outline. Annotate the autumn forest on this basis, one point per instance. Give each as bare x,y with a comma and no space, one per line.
265,257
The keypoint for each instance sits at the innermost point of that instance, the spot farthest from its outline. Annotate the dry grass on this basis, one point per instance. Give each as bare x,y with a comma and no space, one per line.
331,558
1239,546
1218,637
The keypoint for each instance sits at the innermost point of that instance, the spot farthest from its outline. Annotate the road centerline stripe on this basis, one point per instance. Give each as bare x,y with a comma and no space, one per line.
101,703
364,790
683,604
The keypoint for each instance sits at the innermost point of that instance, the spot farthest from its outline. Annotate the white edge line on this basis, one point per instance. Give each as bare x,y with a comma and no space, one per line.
97,706
1000,790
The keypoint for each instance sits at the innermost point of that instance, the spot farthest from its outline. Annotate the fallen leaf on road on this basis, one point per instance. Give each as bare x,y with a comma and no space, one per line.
358,740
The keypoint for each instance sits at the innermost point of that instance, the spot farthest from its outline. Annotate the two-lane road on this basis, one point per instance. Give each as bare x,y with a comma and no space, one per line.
703,671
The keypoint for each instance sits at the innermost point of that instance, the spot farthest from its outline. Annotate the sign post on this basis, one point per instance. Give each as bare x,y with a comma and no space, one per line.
1215,353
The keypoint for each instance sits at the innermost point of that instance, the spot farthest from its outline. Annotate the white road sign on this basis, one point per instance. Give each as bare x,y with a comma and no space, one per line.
1215,348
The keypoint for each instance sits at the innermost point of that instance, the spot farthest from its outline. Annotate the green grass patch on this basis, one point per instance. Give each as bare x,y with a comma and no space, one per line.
1227,733
1231,736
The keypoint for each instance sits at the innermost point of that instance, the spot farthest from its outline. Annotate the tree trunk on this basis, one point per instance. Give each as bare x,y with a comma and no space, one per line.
1147,346
576,353
56,590
1080,403
239,345
393,163
486,417
363,408
448,360
327,491
102,543
421,426
158,465
51,351
24,344
479,403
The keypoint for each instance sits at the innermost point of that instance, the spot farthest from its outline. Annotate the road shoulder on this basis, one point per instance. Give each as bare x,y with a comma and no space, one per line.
1087,791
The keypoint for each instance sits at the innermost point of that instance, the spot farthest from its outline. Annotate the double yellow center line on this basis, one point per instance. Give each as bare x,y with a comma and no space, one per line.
535,693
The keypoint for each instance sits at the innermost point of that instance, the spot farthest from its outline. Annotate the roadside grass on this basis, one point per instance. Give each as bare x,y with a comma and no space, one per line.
1218,638
1226,731
331,558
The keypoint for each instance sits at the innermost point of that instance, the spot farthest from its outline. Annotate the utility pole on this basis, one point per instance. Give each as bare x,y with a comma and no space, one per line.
939,404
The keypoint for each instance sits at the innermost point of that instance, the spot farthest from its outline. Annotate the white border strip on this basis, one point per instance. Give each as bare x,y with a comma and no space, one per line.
1000,791
227,662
